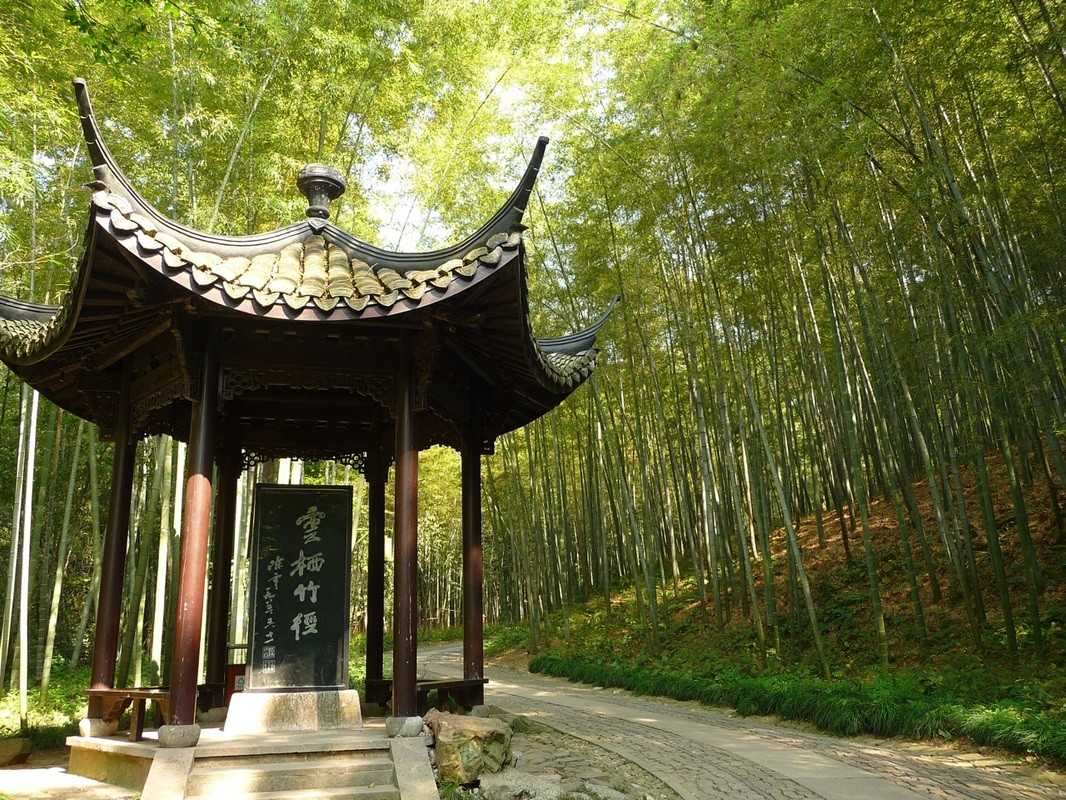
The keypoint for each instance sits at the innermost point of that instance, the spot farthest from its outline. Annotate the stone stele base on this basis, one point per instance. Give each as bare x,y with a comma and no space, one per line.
267,712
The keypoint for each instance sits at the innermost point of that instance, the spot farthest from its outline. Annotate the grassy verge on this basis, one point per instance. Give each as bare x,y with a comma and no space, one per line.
1019,715
51,718
503,636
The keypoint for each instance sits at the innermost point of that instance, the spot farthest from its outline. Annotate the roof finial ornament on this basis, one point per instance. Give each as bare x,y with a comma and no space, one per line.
320,183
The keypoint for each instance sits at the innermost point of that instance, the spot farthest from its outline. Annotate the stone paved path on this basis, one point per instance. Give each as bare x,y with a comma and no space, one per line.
707,754
44,777
604,741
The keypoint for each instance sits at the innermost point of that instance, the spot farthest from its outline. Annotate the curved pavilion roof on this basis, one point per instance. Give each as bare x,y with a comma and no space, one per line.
310,320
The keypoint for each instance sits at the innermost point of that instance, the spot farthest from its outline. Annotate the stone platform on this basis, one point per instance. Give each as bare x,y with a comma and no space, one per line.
358,762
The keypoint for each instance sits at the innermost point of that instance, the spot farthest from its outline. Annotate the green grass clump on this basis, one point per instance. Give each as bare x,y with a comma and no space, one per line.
911,705
1013,727
52,718
501,636
453,633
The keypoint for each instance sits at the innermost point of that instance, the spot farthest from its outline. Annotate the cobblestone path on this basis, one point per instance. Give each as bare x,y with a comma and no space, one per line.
707,754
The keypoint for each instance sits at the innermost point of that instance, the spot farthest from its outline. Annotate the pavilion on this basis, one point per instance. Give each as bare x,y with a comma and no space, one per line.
303,342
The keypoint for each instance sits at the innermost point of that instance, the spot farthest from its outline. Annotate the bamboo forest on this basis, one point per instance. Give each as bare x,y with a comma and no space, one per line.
825,442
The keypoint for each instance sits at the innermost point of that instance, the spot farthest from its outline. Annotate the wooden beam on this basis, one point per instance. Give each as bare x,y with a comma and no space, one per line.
168,379
275,436
292,404
476,368
104,301
376,357
126,345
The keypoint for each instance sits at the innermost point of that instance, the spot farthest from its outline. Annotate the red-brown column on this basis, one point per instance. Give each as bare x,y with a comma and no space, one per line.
116,537
194,533
473,604
229,474
405,610
375,563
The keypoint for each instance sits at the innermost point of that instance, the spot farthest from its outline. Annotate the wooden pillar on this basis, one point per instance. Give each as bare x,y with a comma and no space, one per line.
405,607
116,538
196,521
376,475
473,570
218,605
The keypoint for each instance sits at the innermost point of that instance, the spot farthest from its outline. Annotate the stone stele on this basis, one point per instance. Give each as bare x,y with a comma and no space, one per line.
467,746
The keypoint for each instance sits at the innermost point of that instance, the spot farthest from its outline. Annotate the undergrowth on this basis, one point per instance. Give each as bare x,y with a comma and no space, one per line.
498,637
962,682
1023,714
52,718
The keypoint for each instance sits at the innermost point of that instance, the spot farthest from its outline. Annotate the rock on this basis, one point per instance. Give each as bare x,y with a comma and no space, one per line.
374,710
14,751
605,792
468,746
493,711
522,724
510,784
488,711
404,727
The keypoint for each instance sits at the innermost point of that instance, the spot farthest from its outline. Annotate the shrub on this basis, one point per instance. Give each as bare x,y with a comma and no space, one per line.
910,705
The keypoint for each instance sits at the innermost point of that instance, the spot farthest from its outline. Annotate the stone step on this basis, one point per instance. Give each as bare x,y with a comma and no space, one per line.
304,745
326,759
224,778
354,793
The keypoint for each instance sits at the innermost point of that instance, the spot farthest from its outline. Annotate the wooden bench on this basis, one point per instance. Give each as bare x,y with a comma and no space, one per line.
377,691
110,703
210,695
464,692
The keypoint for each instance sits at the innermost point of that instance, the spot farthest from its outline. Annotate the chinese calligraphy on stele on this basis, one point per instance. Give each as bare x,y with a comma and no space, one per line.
301,544
304,622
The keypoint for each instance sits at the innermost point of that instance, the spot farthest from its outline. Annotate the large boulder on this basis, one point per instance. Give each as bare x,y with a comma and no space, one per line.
467,746
14,751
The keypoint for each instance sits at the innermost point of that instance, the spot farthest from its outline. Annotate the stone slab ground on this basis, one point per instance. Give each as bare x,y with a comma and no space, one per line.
699,753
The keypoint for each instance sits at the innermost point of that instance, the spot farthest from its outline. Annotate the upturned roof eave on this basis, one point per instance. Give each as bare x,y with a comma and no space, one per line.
578,341
107,171
30,332
553,367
